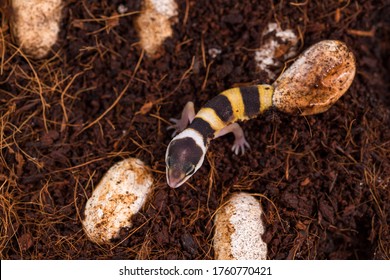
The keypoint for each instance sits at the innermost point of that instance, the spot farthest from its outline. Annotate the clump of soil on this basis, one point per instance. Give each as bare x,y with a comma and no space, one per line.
324,180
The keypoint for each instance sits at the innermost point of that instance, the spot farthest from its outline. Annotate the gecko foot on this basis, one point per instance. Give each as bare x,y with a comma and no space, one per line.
239,145
178,126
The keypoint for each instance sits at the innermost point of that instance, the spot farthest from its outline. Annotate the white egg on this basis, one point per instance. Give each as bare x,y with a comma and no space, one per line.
119,195
155,24
239,229
35,24
316,80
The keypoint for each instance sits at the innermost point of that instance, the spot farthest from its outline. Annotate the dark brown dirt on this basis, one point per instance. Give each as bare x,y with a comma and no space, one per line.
324,180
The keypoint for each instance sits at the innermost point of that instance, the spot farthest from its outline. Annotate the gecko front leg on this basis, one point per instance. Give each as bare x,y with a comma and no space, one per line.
187,116
240,142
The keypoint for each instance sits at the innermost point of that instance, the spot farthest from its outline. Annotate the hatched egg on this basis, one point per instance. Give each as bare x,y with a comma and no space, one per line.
119,195
316,80
35,24
238,229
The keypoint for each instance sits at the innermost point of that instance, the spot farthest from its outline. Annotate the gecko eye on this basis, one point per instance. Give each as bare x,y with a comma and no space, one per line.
190,170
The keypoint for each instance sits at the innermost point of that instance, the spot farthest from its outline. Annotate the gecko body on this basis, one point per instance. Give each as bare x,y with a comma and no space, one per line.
193,132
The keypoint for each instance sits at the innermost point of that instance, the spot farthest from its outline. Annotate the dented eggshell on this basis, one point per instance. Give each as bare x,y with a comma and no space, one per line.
238,230
36,24
119,195
316,80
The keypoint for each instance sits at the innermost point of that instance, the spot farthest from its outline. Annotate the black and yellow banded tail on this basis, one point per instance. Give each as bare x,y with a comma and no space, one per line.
235,104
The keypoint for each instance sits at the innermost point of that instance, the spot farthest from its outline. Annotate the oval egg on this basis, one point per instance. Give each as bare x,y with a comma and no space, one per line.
35,24
119,195
239,229
316,80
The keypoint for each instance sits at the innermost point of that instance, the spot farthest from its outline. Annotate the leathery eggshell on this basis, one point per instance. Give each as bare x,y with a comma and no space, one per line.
35,24
154,24
238,229
316,80
119,195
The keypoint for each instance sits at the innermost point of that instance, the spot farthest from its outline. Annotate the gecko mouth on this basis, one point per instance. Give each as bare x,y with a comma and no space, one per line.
175,178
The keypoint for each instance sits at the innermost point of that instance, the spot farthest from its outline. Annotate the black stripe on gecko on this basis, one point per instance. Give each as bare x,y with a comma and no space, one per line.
204,128
222,107
251,99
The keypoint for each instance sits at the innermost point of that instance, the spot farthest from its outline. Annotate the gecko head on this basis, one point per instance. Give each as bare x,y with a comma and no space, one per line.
184,156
